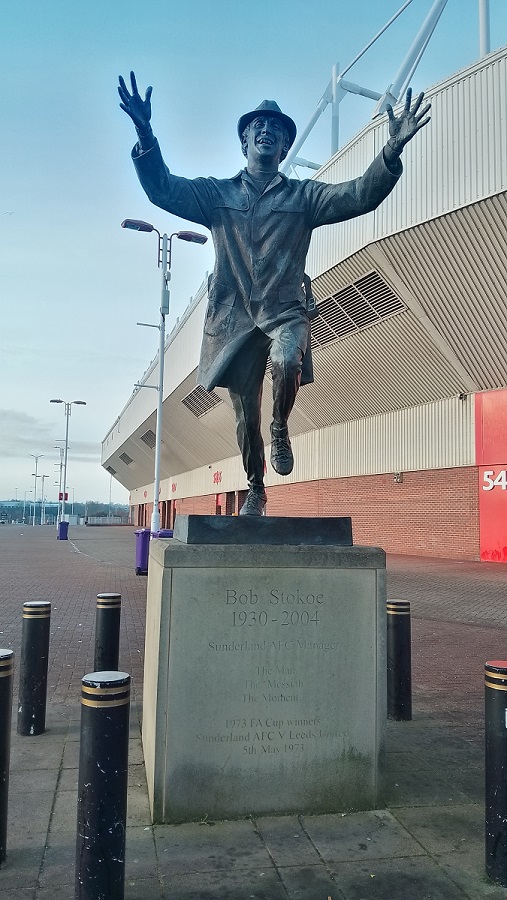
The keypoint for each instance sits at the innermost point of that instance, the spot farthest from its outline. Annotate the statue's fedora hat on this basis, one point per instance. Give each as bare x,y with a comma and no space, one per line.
269,107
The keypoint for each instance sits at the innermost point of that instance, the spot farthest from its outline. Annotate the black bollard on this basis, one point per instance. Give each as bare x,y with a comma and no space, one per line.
496,770
102,786
399,661
107,633
6,679
33,667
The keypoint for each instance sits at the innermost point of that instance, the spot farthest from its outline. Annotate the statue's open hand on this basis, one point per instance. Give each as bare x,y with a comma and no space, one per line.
403,127
138,109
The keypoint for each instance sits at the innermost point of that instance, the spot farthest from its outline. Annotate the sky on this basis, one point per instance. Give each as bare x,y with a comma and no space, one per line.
73,283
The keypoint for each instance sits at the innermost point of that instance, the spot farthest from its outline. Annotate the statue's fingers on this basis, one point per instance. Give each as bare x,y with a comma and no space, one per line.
133,83
417,103
147,95
408,99
123,86
420,125
423,112
390,113
123,92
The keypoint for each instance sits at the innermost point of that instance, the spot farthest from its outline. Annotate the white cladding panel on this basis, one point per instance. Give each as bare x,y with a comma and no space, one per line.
459,158
433,436
181,358
183,347
458,276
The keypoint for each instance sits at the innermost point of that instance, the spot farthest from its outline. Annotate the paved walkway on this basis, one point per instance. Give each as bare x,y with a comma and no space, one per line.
426,845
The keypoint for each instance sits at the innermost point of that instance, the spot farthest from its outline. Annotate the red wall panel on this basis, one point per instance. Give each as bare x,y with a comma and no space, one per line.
491,455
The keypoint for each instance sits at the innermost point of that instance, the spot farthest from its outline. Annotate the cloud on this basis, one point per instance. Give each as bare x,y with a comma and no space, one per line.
22,435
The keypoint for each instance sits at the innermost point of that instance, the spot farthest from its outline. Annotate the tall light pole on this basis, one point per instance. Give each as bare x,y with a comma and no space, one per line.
24,505
35,476
66,449
59,466
43,501
484,38
164,263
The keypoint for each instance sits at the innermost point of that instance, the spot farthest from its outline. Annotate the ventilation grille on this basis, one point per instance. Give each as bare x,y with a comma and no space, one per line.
361,304
201,401
126,458
149,438
110,470
357,306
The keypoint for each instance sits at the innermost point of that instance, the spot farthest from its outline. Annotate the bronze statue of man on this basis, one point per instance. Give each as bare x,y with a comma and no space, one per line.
261,223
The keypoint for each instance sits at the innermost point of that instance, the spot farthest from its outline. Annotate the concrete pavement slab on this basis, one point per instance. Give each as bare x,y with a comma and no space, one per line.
359,836
286,841
309,883
143,889
206,847
20,871
467,871
58,865
140,854
23,894
412,780
414,878
225,885
447,829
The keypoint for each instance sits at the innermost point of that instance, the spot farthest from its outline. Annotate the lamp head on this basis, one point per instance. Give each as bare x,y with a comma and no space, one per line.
137,225
193,236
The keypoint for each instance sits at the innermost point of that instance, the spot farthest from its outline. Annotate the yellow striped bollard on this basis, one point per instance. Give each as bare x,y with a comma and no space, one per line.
102,786
399,661
6,679
33,667
495,677
107,632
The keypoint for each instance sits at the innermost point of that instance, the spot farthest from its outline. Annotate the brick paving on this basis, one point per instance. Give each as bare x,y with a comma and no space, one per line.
70,574
459,621
427,844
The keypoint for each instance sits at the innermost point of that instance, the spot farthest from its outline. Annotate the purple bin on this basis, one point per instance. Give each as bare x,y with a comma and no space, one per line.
142,550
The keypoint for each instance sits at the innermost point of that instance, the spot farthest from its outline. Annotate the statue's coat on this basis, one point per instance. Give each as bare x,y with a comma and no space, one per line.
261,242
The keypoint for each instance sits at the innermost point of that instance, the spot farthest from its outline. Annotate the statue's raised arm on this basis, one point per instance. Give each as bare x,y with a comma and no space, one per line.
133,104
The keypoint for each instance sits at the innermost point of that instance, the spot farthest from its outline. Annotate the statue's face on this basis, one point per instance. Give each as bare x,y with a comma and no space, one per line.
266,139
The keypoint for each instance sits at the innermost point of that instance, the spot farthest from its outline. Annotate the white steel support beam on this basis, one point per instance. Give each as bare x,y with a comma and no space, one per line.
484,37
409,64
338,87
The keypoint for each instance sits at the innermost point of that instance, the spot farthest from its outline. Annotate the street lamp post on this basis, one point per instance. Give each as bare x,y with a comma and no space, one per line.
164,263
35,476
66,449
43,501
59,466
24,505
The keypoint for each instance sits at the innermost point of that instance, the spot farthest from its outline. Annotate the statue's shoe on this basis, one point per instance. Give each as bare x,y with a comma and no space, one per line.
281,457
253,505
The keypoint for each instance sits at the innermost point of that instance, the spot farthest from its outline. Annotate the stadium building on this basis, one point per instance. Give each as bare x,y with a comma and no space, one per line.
405,427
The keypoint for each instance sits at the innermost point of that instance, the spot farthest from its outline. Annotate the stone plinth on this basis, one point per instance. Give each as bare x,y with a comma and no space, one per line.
265,680
264,530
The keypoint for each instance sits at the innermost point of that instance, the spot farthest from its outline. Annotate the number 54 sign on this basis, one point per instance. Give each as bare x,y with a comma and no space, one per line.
492,481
